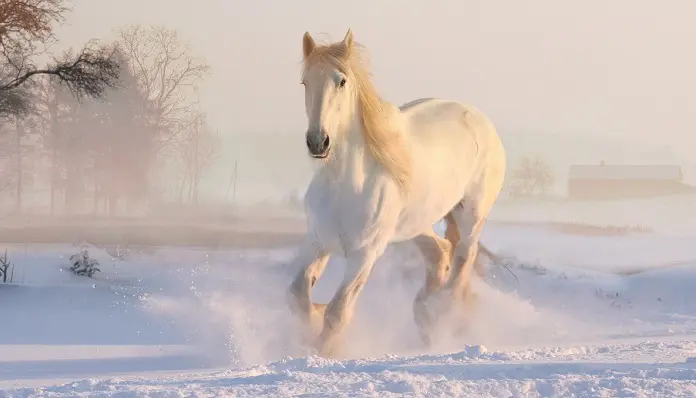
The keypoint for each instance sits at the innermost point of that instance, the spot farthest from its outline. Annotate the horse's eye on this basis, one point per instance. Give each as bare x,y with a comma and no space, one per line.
342,83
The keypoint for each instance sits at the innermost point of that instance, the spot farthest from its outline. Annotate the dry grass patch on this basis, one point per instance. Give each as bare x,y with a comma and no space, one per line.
584,229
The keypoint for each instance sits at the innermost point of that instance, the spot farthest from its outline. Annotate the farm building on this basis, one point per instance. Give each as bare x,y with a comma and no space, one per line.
606,182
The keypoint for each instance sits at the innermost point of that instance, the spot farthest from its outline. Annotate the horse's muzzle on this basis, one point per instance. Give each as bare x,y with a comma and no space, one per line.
318,144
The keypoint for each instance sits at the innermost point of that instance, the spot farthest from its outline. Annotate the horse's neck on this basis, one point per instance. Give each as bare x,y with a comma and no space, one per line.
352,162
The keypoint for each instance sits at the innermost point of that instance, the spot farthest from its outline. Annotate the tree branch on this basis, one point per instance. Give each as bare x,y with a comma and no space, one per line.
88,74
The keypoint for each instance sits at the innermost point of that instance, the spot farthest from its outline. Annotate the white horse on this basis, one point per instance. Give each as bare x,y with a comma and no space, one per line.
388,174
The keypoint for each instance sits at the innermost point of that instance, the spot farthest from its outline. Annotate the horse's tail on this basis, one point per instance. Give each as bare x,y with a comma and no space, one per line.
488,253
496,259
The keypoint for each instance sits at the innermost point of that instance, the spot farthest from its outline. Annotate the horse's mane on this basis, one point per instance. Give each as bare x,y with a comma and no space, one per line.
384,141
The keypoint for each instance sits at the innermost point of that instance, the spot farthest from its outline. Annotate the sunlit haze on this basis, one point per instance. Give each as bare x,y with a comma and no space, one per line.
577,82
159,235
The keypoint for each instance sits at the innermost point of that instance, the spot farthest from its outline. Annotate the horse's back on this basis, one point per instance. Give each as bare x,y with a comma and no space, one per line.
435,121
453,146
456,135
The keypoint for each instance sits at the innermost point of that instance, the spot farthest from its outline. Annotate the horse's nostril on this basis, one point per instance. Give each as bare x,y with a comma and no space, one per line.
325,144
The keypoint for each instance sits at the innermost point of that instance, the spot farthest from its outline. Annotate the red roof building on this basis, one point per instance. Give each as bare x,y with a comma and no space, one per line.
607,182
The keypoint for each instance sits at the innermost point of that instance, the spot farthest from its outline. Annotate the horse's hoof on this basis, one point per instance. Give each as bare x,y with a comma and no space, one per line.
460,329
324,351
463,310
426,339
329,345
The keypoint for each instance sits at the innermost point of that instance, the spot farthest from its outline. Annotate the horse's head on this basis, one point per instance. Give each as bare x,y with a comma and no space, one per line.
330,94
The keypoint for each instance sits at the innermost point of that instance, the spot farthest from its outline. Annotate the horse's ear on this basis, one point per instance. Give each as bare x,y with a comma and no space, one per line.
348,40
308,45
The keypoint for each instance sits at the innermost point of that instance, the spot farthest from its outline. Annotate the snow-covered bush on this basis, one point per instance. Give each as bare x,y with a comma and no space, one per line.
82,264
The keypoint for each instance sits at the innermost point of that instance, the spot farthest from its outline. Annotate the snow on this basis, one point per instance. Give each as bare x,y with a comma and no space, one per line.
590,316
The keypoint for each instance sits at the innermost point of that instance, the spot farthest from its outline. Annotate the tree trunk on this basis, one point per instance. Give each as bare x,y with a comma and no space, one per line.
95,194
113,203
68,186
181,185
53,180
20,172
190,186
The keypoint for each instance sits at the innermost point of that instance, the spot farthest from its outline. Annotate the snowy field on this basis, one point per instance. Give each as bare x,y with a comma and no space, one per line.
591,316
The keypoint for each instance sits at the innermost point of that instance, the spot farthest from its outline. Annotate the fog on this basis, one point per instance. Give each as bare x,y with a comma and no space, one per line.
187,181
613,74
571,83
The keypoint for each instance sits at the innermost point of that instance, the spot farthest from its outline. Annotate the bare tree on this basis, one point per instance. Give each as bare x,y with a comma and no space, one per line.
25,21
531,176
168,74
17,156
52,105
8,166
6,268
15,102
124,151
197,149
19,135
27,25
103,147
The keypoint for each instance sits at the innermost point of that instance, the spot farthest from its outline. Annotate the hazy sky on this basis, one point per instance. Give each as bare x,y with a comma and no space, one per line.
624,69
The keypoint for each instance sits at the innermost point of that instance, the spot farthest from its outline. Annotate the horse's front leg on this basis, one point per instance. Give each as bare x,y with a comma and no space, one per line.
311,261
339,312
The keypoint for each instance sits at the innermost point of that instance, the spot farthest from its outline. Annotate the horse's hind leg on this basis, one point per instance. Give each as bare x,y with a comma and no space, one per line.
469,217
310,261
452,235
437,253
469,225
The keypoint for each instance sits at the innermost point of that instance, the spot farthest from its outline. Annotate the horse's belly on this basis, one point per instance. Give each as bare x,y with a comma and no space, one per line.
411,226
415,220
433,197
